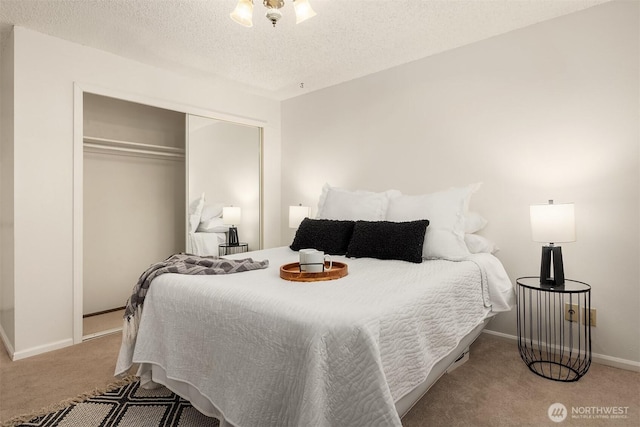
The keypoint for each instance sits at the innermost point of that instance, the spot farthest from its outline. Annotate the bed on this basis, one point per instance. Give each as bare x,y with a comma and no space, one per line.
205,243
206,227
252,349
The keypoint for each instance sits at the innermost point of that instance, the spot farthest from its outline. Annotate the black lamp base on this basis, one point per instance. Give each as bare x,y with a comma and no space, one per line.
552,254
233,236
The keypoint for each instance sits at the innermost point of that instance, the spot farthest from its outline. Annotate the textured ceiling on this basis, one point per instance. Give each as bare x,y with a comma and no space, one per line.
346,40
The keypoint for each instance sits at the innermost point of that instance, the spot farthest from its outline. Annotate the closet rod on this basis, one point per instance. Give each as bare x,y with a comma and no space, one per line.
101,148
95,142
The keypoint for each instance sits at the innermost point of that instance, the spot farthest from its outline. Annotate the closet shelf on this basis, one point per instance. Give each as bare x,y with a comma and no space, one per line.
133,148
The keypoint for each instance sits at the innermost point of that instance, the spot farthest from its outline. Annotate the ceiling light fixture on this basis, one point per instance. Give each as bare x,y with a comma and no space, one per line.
243,13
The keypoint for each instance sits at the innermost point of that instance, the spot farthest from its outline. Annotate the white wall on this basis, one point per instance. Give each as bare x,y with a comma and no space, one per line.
546,112
46,69
134,215
6,193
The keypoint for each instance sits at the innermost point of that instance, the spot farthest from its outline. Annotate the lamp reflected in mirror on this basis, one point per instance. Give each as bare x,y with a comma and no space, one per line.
232,215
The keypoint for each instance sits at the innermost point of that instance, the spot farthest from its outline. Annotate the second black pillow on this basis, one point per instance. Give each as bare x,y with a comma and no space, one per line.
388,240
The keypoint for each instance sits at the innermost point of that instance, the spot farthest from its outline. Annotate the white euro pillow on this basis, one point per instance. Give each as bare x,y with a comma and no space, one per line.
446,211
213,225
341,204
195,213
211,210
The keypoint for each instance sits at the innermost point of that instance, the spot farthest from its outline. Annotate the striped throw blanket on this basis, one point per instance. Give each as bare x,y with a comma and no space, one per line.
181,264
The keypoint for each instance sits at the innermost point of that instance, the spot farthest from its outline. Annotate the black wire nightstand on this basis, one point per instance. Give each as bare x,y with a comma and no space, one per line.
551,346
228,249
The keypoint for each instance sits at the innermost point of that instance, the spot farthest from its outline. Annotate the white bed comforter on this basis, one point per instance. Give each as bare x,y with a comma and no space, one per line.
270,352
204,244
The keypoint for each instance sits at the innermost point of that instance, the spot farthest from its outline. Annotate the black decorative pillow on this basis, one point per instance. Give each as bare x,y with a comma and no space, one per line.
388,240
327,235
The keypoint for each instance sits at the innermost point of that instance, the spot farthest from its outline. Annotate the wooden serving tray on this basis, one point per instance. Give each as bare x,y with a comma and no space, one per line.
292,272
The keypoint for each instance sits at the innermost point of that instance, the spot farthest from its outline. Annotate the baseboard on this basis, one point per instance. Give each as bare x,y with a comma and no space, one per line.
98,313
616,362
602,359
17,355
501,335
101,334
7,344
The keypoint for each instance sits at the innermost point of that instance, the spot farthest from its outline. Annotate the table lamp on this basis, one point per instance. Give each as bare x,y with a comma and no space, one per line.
552,223
231,215
297,214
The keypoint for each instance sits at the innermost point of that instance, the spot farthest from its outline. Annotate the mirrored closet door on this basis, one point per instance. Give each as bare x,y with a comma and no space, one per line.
224,170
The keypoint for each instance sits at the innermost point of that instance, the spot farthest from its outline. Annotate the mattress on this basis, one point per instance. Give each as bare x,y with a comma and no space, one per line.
204,244
262,351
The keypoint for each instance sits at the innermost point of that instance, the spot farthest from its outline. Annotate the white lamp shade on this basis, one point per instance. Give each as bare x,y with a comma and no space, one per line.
243,13
231,215
297,214
303,10
553,223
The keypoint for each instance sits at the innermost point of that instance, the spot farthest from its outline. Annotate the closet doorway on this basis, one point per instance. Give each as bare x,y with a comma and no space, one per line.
132,175
133,201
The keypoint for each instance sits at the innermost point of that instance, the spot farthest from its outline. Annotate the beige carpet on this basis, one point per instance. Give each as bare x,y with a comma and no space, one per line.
30,384
494,388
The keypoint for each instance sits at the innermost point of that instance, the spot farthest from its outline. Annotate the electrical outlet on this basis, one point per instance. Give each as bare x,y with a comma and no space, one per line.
571,314
592,317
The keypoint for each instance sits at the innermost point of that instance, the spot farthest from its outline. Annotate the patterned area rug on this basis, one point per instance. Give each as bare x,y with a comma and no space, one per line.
127,406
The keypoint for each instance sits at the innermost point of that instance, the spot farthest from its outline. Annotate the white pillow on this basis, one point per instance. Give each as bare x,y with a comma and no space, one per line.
211,210
338,203
474,222
213,225
478,244
195,213
445,211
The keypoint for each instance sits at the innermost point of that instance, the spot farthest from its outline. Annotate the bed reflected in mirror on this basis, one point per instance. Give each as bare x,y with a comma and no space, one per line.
223,170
